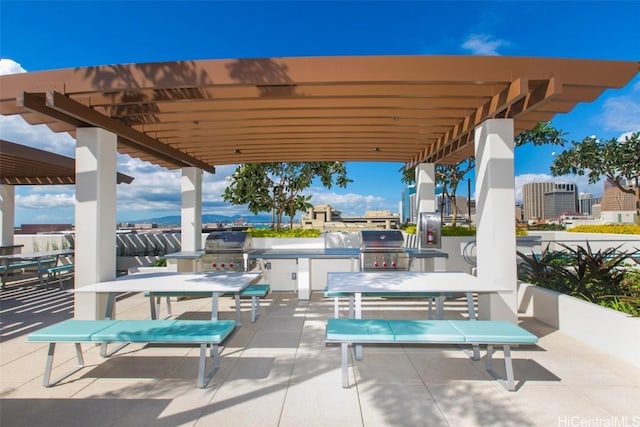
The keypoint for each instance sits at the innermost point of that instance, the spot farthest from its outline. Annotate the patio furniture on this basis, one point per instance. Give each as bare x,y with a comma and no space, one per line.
461,332
206,333
40,260
56,272
255,292
213,284
442,282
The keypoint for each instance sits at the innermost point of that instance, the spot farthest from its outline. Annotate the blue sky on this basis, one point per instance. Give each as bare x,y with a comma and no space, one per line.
54,34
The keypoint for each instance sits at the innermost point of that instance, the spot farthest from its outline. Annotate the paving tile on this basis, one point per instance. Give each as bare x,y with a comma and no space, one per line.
399,405
279,372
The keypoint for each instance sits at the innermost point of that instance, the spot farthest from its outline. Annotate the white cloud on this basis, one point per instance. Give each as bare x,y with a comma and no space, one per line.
582,182
622,113
45,201
9,66
347,204
483,44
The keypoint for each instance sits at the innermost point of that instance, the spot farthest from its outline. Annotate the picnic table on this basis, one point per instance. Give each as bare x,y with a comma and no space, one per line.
31,259
215,283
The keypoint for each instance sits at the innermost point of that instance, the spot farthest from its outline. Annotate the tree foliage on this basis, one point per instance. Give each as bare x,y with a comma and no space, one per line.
616,160
279,187
449,176
542,133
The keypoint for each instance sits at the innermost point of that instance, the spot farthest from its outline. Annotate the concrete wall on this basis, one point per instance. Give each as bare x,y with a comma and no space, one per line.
608,330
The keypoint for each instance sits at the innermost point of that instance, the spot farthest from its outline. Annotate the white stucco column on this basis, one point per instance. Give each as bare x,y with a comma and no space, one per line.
425,188
7,213
496,223
95,224
191,212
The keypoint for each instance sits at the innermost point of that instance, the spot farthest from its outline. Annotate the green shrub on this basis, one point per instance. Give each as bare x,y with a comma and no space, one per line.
160,262
458,231
296,232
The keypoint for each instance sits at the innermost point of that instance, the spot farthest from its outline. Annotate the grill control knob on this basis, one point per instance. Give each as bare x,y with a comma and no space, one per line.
222,265
393,264
375,264
231,265
214,265
384,264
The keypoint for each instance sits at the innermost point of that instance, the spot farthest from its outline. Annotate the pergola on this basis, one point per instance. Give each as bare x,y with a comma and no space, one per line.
421,110
23,165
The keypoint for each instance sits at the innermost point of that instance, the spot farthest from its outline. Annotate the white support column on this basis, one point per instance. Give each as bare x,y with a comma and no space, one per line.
496,223
7,213
191,212
425,191
426,187
95,224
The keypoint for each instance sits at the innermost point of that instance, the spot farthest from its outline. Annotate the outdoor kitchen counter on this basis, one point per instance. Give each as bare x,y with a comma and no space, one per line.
184,261
305,253
425,253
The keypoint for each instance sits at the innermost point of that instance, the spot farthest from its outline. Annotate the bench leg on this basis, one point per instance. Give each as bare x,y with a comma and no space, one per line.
238,311
509,383
345,364
336,308
255,307
169,312
46,381
203,379
471,309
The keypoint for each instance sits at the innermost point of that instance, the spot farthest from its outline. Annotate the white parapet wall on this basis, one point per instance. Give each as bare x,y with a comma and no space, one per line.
608,330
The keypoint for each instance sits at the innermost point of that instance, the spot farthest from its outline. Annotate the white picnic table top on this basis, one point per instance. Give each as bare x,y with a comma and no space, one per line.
409,281
214,282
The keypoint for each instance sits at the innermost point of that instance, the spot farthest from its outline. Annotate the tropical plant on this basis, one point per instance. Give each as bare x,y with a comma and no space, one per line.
600,277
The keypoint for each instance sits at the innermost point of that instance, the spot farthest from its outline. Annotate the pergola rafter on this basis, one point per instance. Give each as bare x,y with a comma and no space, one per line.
409,109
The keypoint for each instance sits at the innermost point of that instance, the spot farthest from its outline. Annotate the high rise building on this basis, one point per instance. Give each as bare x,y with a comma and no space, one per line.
548,200
586,202
614,199
408,205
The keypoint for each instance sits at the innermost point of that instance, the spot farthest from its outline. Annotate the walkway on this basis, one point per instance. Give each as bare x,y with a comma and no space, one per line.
278,372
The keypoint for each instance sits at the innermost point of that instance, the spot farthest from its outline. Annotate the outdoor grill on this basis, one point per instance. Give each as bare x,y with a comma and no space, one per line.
227,251
383,250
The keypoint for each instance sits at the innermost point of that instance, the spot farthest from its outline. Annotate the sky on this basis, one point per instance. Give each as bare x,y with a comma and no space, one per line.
44,35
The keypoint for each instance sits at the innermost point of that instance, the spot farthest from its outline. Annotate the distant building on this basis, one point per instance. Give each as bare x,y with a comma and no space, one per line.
614,199
617,205
408,205
43,228
548,200
324,217
586,202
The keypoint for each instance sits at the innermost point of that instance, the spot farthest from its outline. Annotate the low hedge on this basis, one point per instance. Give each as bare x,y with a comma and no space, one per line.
607,228
296,232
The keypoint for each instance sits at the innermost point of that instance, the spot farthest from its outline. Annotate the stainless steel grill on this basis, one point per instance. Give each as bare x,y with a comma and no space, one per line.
227,251
383,250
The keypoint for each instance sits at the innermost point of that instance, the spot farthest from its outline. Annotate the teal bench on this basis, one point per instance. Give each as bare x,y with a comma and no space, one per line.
203,332
431,296
460,332
56,272
4,269
255,292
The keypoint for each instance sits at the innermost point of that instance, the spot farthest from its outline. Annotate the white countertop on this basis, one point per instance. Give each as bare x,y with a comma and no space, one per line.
407,281
218,282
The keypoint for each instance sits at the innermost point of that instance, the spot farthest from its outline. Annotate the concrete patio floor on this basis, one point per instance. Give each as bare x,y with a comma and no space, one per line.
278,372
